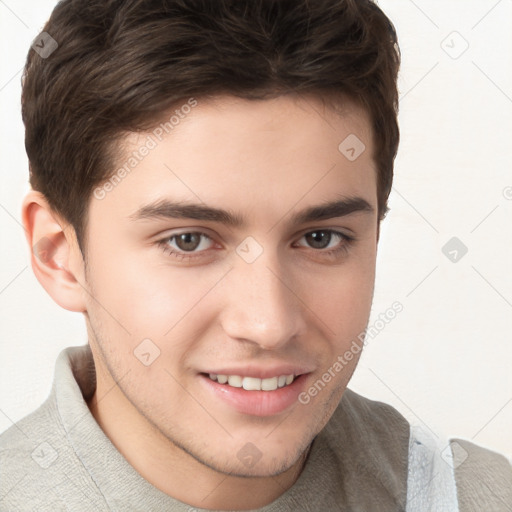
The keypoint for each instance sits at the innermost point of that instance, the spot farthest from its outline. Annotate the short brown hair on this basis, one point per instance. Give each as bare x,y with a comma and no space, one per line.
120,64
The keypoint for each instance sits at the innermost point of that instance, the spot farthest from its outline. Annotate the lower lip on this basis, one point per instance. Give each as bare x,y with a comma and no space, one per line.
257,403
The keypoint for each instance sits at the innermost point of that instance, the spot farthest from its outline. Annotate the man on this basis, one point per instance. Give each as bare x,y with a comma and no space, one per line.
208,183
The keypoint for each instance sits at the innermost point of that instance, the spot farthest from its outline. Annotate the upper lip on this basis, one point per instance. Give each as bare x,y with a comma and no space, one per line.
261,372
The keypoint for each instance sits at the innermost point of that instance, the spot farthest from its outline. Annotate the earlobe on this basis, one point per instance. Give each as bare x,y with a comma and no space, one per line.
55,257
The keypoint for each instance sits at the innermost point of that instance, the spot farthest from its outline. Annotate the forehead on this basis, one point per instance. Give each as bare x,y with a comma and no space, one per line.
257,155
235,122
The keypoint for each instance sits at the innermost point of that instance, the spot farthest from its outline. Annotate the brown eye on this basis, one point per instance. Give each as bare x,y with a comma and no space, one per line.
188,241
187,244
319,239
326,243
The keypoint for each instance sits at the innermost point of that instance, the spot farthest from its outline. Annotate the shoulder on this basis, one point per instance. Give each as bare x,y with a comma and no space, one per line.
368,441
17,443
387,446
29,451
39,468
483,477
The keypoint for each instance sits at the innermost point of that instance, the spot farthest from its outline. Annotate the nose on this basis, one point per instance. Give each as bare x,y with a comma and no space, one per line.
260,305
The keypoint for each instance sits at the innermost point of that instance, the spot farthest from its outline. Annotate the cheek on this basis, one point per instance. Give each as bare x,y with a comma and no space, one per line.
343,296
146,298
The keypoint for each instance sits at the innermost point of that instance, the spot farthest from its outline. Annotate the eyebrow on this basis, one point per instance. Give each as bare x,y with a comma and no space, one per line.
166,209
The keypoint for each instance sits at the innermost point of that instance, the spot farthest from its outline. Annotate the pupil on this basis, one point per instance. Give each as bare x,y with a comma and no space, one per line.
315,239
188,241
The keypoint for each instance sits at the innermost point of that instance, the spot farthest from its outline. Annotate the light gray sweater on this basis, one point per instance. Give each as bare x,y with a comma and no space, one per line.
367,458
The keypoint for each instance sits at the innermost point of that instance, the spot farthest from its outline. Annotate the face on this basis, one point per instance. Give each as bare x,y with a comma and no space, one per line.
241,247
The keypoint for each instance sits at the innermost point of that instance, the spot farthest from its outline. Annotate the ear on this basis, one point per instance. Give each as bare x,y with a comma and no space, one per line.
55,256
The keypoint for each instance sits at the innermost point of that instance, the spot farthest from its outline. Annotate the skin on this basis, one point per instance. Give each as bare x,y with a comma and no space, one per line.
264,161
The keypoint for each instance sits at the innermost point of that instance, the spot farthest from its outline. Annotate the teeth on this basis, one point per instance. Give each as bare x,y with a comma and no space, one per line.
235,381
269,384
253,383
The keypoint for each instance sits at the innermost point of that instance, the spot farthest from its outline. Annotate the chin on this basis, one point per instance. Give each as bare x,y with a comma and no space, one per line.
259,459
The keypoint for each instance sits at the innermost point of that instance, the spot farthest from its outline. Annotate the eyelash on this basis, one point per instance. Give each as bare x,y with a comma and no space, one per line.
188,256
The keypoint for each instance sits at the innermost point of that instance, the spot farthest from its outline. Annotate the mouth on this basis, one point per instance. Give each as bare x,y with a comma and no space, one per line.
254,396
253,383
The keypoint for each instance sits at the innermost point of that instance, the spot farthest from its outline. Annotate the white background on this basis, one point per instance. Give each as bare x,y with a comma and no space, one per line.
446,360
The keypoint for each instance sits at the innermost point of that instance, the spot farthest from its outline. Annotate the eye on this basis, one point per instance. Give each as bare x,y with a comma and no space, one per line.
319,239
189,242
192,244
327,241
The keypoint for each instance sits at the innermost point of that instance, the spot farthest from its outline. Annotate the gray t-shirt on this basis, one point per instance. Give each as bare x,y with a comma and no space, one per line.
367,458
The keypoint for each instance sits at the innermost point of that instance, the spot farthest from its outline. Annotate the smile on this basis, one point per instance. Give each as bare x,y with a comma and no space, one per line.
253,383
